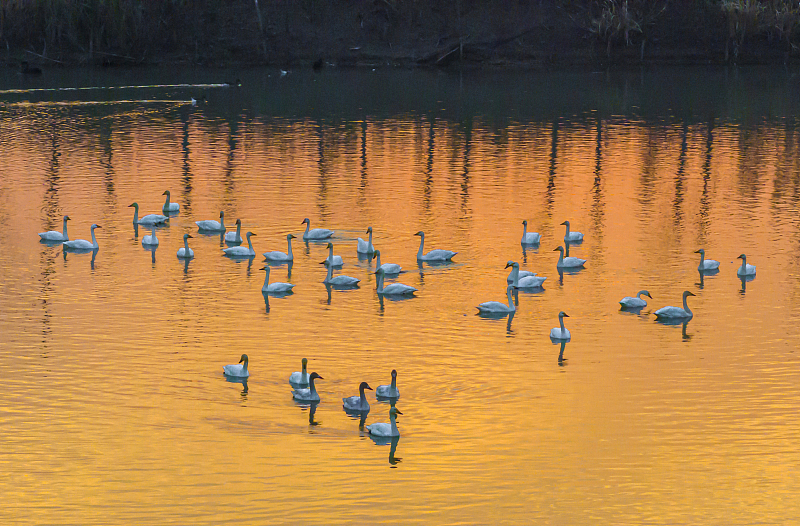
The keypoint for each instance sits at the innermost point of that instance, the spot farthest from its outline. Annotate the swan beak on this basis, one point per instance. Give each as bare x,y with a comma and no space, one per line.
566,315
509,265
67,218
696,251
165,192
649,296
191,236
320,378
418,233
556,249
564,223
292,236
370,388
689,293
397,411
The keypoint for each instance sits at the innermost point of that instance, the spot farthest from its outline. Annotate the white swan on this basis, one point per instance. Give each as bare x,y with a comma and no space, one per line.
274,287
241,251
280,256
529,238
706,264
310,393
392,289
383,429
149,219
185,251
151,240
365,247
209,225
745,269
676,312
560,333
54,235
388,268
235,237
496,307
521,273
82,244
529,281
169,207
635,302
331,260
341,281
300,377
237,369
571,237
433,255
357,403
389,391
568,262
315,234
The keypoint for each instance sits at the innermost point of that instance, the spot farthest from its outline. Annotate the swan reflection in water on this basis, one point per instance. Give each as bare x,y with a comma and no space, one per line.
561,360
744,280
312,411
93,251
238,380
703,274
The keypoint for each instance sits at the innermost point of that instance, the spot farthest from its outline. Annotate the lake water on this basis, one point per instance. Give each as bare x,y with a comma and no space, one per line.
114,408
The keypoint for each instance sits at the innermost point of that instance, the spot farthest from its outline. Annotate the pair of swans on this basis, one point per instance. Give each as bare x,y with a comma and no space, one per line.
523,279
55,235
242,252
237,370
710,264
82,244
341,281
569,261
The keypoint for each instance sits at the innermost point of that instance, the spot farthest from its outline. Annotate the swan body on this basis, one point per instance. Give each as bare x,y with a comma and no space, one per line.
529,238
357,403
342,281
151,240
529,281
389,391
637,301
310,393
745,269
235,237
237,369
393,289
185,251
676,312
149,219
54,235
209,225
331,260
274,287
569,261
433,255
300,377
365,247
82,244
498,307
316,233
706,264
571,237
169,207
241,251
280,256
560,333
386,429
388,268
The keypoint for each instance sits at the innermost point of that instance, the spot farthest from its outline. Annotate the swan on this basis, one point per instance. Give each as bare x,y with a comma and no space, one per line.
560,333
745,269
185,251
209,225
386,430
706,264
529,238
300,377
149,219
529,281
315,234
338,280
280,256
365,247
53,235
635,302
235,237
521,273
82,244
493,307
331,260
169,207
309,394
388,268
236,369
433,255
392,289
274,287
568,262
357,403
241,251
571,237
389,391
151,240
676,312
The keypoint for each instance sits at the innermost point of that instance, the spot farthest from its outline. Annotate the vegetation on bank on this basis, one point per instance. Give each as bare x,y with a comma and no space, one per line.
405,32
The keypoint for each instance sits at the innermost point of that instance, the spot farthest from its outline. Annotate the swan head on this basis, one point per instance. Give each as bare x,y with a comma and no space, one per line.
644,293
525,222
364,385
244,359
376,254
66,218
305,221
329,245
187,236
238,221
565,223
380,272
687,293
420,233
394,373
511,264
369,230
291,236
563,314
266,268
95,226
247,235
166,193
221,213
559,249
394,411
314,376
304,361
700,251
135,205
742,257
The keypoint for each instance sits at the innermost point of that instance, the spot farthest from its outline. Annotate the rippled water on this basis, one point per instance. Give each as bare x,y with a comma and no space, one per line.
114,408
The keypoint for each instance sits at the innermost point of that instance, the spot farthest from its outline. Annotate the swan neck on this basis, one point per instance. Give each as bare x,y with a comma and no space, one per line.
308,225
312,388
567,234
524,230
186,244
249,244
686,304
266,277
94,241
393,422
239,230
561,255
421,244
369,244
744,263
304,369
379,260
515,276
394,383
561,322
135,214
64,233
363,396
289,241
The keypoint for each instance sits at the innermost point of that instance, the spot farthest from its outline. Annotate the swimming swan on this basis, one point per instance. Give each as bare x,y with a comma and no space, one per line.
185,251
386,430
241,251
315,234
274,287
53,235
389,391
571,237
331,260
82,244
635,302
568,262
170,207
388,268
530,281
433,255
149,219
392,289
300,377
676,312
280,256
309,394
560,333
529,238
341,281
236,369
745,269
492,307
209,225
706,264
151,240
365,247
235,237
357,403
521,273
